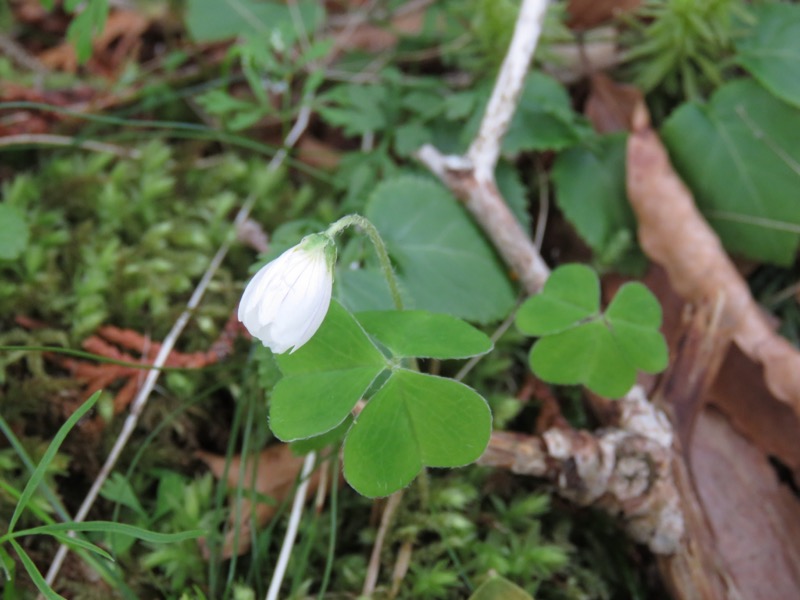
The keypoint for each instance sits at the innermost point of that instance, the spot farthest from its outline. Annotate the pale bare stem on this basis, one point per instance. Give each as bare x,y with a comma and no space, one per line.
485,148
375,558
291,530
140,401
471,177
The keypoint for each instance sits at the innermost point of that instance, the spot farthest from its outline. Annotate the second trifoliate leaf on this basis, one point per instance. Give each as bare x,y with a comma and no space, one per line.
579,344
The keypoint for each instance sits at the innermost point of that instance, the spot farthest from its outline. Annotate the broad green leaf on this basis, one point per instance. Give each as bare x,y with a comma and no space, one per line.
215,20
414,420
14,233
570,294
771,51
587,354
364,289
589,181
329,438
544,119
324,379
739,155
417,333
498,588
579,345
635,316
339,344
442,259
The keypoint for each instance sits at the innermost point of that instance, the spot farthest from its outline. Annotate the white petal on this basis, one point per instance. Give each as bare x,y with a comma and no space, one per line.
287,300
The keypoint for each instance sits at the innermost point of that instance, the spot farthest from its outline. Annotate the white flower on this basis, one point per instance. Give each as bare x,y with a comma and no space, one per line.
286,301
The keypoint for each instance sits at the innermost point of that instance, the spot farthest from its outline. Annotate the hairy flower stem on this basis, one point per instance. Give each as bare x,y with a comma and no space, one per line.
380,249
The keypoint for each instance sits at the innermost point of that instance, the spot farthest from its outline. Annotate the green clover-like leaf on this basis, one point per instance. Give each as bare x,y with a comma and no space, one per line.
571,294
323,380
414,420
579,345
635,316
418,333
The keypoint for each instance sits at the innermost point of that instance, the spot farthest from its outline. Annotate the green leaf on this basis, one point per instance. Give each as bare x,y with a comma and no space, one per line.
76,542
589,181
364,289
34,573
329,438
544,119
635,316
357,109
771,52
89,23
739,155
580,345
118,489
415,420
513,191
14,233
442,259
41,469
498,588
154,537
586,354
571,294
215,20
324,379
417,333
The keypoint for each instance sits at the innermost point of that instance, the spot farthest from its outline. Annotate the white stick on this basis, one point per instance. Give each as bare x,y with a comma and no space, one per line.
471,177
485,148
291,530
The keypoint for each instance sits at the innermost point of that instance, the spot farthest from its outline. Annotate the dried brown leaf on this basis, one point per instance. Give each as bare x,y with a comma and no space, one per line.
272,474
674,234
772,426
585,14
755,520
116,44
610,104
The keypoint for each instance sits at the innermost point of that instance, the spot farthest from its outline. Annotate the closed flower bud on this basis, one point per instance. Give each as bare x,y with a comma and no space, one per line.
287,300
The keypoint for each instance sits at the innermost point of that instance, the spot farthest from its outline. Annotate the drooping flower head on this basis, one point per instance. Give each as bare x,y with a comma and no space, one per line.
287,300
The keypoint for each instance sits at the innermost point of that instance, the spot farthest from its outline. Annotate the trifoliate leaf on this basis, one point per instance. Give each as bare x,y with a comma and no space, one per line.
323,380
415,420
578,344
417,333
